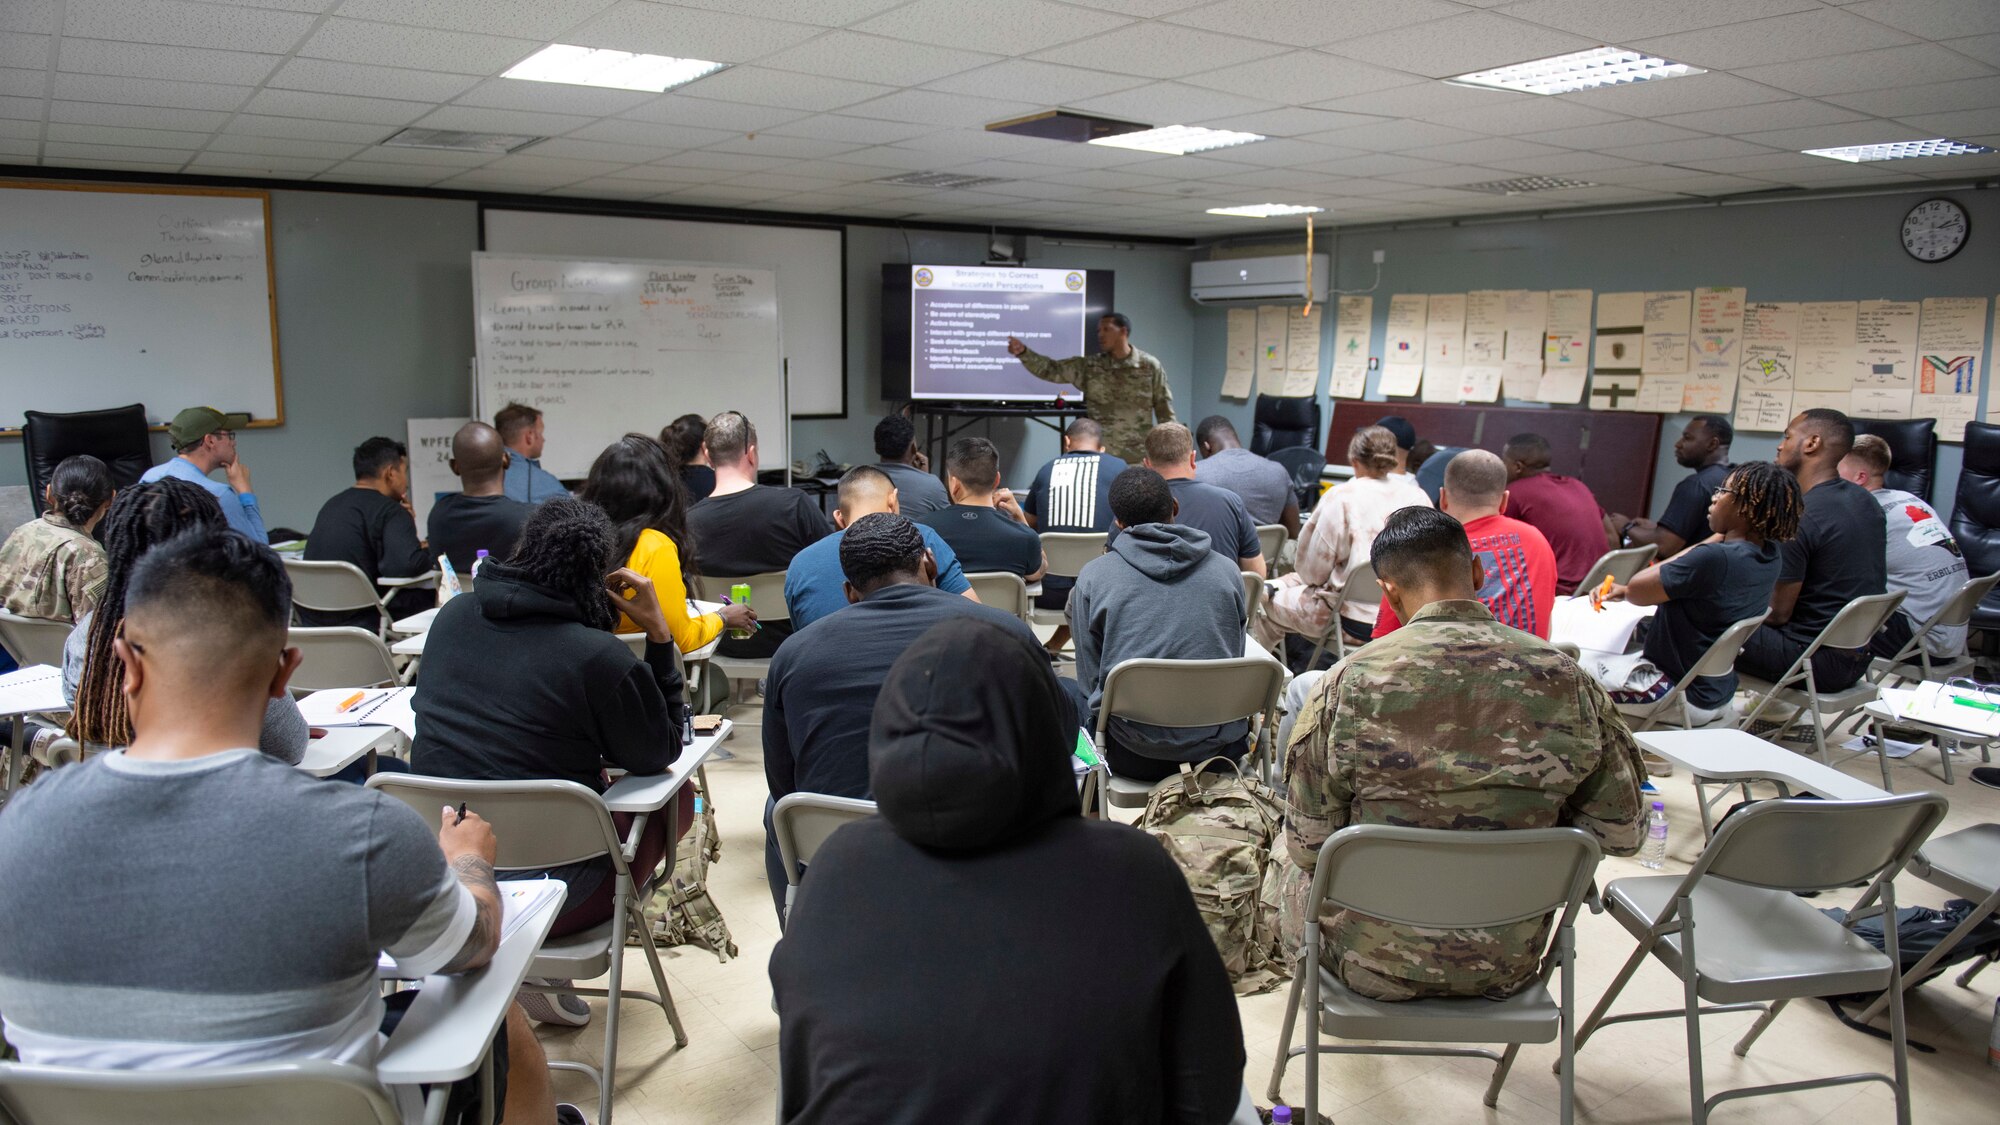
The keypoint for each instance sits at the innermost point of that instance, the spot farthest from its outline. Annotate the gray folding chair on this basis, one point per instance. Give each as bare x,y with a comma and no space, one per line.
1964,864
1003,590
1184,693
802,822
299,1093
33,640
1621,565
1361,587
767,597
1914,662
341,656
1436,879
542,824
1271,538
1719,660
1066,552
338,587
1852,628
1253,596
1761,945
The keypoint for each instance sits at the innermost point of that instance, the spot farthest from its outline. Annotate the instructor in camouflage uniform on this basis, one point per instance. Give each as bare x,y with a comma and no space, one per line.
1124,389
1453,721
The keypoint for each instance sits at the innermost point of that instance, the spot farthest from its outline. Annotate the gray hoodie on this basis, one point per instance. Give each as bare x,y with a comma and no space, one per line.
1161,593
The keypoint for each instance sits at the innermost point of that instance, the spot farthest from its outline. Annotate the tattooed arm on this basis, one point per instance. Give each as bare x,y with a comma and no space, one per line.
469,847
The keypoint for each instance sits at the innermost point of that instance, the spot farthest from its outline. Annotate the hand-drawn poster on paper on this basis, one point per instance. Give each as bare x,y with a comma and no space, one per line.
1950,345
1717,348
1667,316
1403,344
1765,377
1239,359
1566,354
1885,370
1616,351
1827,355
1478,382
1444,347
1527,317
1302,334
1353,327
1271,349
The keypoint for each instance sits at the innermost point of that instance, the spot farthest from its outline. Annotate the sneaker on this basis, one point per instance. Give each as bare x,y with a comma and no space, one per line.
564,1009
567,1114
1656,765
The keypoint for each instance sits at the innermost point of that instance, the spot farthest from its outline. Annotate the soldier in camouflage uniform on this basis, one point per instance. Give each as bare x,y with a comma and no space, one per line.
1454,721
1124,389
51,568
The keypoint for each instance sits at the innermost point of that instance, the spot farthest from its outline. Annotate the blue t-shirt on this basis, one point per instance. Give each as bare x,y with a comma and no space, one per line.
238,508
528,482
813,583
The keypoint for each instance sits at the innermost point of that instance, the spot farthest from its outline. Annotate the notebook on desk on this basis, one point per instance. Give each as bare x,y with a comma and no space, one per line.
375,707
1947,705
38,687
518,899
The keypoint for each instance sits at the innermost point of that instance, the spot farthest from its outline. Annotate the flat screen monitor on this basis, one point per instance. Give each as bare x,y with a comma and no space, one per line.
945,330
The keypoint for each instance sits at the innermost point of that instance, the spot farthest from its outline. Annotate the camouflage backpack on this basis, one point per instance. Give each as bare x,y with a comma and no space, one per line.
681,912
1219,827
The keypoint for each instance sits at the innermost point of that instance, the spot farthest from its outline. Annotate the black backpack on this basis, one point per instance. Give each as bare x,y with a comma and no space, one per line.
1919,929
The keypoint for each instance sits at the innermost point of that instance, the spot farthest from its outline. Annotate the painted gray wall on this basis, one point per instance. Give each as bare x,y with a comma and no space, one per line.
1810,250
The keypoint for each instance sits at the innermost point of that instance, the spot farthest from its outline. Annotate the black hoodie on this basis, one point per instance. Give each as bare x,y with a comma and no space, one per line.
980,953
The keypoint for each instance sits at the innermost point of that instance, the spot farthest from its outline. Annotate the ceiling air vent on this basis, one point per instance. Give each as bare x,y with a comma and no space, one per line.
1523,184
939,180
460,141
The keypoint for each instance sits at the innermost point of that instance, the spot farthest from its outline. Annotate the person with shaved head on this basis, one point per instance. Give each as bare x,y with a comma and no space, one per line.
481,516
814,582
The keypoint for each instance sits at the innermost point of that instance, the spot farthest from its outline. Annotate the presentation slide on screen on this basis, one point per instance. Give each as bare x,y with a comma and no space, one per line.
961,316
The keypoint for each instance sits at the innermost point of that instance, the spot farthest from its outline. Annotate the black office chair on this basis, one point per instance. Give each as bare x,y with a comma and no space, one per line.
1304,463
117,437
1281,423
1912,449
1975,517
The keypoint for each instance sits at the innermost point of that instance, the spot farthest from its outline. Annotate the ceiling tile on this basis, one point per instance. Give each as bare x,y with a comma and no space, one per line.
1483,150
1533,115
864,58
1765,165
258,125
1292,121
20,148
26,51
115,165
826,13
276,146
620,131
757,85
1963,125
1451,176
846,175
1586,164
1300,77
1171,103
1711,185
524,182
725,195
326,77
141,60
57,152
365,172
1315,21
26,130
1371,164
1985,48
572,149
384,44
137,116
1869,71
19,82
116,135
1803,35
961,145
1934,19
529,19
335,107
1674,152
501,120
1614,135
457,159
1423,100
534,164
37,17
251,164
634,25
148,91
552,97
179,23
1019,79
860,130
932,108
1158,50
1933,97
1460,44
21,107
781,181
611,189
723,161
1832,136
313,6
771,144
1771,115
668,173
1012,27
1621,21
1397,136
1687,94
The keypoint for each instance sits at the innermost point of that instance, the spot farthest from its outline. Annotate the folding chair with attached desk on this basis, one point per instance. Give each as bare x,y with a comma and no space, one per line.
1182,693
341,656
1003,590
1914,657
1621,565
339,587
33,640
1719,660
1066,552
1852,628
802,822
767,597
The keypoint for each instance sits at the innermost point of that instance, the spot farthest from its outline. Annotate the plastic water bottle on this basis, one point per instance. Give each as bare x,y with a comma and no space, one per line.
478,561
1281,1115
1654,854
448,587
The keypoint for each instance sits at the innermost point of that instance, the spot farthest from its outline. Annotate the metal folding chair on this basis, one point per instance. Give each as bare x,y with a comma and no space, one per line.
1761,945
1185,693
1719,660
1361,587
33,640
1621,565
1003,590
1965,864
339,587
1437,879
1914,657
1271,539
1253,596
301,1093
341,656
1066,552
1852,628
801,822
767,597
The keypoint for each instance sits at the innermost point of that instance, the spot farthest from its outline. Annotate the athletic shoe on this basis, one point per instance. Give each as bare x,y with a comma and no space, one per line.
564,1009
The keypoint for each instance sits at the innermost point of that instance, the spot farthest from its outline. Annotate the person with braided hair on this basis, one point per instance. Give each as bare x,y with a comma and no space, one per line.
141,518
1707,588
51,568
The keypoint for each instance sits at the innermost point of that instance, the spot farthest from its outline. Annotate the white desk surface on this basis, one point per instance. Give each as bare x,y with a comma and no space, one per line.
418,624
1734,755
637,793
415,623
411,645
444,1035
39,690
1884,710
341,747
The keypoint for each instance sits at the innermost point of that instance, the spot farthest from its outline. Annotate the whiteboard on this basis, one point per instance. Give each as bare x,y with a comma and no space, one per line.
110,294
613,346
808,261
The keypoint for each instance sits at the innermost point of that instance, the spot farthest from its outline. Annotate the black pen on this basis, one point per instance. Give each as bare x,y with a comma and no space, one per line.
461,814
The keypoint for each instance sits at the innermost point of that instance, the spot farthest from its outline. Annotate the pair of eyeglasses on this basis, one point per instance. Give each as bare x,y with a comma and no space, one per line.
1721,492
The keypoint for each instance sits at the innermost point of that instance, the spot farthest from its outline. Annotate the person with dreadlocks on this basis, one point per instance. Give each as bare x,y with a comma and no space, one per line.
141,518
1707,588
524,680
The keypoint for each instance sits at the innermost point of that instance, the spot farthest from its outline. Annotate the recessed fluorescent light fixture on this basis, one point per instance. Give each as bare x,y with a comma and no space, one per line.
1522,184
617,70
1578,70
1266,210
1899,150
458,140
944,180
1178,140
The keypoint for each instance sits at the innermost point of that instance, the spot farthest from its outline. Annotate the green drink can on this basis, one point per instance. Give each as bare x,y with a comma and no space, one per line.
740,594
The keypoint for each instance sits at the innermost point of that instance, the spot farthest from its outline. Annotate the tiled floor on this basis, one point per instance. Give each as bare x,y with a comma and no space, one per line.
1629,1073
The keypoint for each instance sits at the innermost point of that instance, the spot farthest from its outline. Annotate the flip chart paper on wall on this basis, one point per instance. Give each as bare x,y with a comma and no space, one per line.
1444,347
1717,348
1403,344
1527,318
1302,336
1765,377
1951,337
1826,350
1885,336
1271,349
1480,382
1354,323
1566,352
1239,361
1666,318
1616,351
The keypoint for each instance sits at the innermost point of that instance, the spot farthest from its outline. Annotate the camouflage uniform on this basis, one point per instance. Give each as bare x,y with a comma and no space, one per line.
1453,721
52,570
1128,397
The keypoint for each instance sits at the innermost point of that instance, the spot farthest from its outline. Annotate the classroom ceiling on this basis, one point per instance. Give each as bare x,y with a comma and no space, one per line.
825,98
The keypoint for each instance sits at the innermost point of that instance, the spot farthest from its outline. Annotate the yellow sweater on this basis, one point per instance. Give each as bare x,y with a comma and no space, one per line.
655,557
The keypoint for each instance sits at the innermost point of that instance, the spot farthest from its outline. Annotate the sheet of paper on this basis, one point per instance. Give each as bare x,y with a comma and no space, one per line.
1667,317
1568,336
1271,349
1444,345
1842,401
1486,326
1403,344
1479,382
1302,336
1239,361
1527,318
1615,351
1765,375
1661,394
1609,630
1885,337
1951,338
1827,354
1717,347
1353,327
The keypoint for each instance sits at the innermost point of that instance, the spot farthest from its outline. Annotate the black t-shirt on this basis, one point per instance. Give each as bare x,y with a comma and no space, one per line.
1841,554
984,539
756,531
461,526
1073,492
1709,588
1687,512
374,532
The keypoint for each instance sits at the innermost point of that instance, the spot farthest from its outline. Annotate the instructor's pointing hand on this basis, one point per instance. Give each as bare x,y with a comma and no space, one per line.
1015,346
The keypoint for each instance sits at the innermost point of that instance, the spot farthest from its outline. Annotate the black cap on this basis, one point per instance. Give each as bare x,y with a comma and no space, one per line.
1406,434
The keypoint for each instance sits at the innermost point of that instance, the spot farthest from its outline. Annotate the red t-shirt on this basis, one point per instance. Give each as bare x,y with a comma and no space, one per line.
1565,511
1520,573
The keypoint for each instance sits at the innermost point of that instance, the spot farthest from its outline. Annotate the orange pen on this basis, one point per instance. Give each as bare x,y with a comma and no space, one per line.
350,701
1603,591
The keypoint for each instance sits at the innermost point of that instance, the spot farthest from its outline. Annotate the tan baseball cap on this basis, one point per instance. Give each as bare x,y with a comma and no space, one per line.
197,422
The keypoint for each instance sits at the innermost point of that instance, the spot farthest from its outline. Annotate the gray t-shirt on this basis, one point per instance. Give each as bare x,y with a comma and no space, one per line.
917,491
1263,485
285,733
216,911
1924,560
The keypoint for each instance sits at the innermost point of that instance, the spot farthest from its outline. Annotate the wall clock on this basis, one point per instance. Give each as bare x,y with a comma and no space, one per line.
1935,230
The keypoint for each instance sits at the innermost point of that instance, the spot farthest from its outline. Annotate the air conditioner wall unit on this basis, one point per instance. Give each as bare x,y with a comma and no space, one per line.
1224,281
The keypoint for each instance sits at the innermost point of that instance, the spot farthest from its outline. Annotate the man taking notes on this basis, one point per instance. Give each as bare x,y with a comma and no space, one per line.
521,428
1123,388
205,440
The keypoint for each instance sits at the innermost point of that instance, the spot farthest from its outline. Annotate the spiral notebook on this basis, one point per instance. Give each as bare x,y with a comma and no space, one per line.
377,707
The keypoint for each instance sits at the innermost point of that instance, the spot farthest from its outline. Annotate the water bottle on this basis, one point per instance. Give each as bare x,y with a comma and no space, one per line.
1281,1115
1654,854
478,561
448,587
740,594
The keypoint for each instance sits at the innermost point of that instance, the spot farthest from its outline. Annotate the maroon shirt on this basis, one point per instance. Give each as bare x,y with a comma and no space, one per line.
1568,516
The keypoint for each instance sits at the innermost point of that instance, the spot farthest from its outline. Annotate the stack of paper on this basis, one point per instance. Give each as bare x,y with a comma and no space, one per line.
1609,630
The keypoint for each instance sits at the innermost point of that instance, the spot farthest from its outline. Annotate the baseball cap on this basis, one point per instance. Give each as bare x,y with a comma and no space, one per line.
1406,434
197,422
